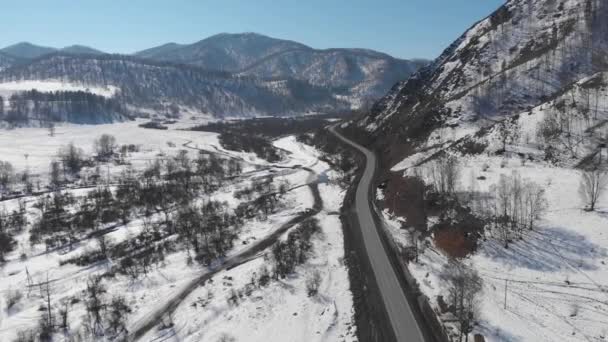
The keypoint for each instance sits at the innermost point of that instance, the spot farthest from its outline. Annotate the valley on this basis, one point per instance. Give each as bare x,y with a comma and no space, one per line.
242,187
165,285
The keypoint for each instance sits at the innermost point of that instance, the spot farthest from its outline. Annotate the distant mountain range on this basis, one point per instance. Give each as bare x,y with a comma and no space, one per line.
25,51
226,75
362,73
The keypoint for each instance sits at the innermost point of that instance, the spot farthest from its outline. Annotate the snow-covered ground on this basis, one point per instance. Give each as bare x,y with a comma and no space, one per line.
556,277
279,312
34,148
9,88
282,311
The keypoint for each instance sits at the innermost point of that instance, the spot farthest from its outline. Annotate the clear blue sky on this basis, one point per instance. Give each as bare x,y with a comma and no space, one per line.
403,28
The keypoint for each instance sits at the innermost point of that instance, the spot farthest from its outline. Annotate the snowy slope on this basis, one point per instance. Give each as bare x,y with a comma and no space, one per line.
365,74
520,56
536,68
165,86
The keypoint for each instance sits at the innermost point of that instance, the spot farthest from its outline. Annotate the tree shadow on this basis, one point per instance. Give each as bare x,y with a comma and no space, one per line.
548,250
496,333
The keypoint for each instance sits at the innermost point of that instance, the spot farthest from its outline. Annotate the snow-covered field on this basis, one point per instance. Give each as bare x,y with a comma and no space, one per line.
34,148
281,311
556,278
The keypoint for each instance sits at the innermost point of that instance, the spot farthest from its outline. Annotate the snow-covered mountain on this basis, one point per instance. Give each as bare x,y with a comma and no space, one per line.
25,50
224,75
524,54
6,60
363,73
225,52
81,49
146,84
517,105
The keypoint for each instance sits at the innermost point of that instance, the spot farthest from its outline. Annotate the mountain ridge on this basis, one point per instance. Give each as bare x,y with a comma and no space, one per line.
513,60
340,78
165,86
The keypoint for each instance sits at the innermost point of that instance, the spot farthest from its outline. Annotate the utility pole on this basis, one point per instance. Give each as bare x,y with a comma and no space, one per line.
46,287
29,281
108,180
48,300
506,285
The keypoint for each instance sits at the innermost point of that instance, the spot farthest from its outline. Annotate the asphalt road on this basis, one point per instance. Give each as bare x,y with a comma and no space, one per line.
401,317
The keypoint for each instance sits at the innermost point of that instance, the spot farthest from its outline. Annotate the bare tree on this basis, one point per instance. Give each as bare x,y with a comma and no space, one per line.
7,174
71,157
55,174
518,204
47,322
105,146
445,174
592,185
103,241
464,287
508,132
535,203
51,128
64,312
95,304
116,316
502,208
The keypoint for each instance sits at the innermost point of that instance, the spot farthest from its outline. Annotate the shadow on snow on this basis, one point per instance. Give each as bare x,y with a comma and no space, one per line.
547,250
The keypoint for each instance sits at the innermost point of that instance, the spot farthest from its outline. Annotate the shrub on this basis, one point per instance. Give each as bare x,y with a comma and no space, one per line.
313,283
12,297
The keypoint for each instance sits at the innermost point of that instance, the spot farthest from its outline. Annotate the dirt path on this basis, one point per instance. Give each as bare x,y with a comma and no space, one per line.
154,317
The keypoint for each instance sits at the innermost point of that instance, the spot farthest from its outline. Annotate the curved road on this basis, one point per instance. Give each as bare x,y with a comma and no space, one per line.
401,317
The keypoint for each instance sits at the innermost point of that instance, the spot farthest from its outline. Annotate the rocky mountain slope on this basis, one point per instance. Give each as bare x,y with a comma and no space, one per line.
510,121
523,55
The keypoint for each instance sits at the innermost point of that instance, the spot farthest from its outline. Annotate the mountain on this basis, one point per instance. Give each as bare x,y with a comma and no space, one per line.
6,61
27,50
154,52
224,75
164,87
224,52
81,49
524,55
362,73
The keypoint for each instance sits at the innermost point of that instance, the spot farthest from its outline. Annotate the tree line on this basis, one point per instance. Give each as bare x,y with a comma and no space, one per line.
60,106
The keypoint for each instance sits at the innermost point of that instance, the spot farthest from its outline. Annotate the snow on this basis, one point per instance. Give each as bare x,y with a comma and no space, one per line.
282,311
278,312
41,148
45,86
556,277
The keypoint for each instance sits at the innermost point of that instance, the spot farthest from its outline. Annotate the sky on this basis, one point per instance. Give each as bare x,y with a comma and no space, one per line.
402,28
